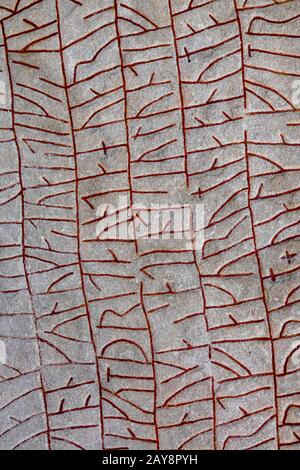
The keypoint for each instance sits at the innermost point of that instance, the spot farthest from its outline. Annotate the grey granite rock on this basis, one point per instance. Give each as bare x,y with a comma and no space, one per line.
118,333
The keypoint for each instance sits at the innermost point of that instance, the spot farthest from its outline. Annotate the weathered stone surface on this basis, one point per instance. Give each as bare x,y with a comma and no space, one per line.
141,344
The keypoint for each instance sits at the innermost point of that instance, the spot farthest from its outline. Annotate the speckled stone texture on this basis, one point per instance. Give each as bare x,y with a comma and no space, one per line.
112,343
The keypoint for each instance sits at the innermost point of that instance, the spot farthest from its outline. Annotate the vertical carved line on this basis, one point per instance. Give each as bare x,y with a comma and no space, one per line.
253,226
262,288
26,274
152,363
81,272
125,118
181,105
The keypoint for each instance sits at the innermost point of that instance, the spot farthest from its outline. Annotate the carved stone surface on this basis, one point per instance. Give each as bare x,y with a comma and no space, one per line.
136,344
